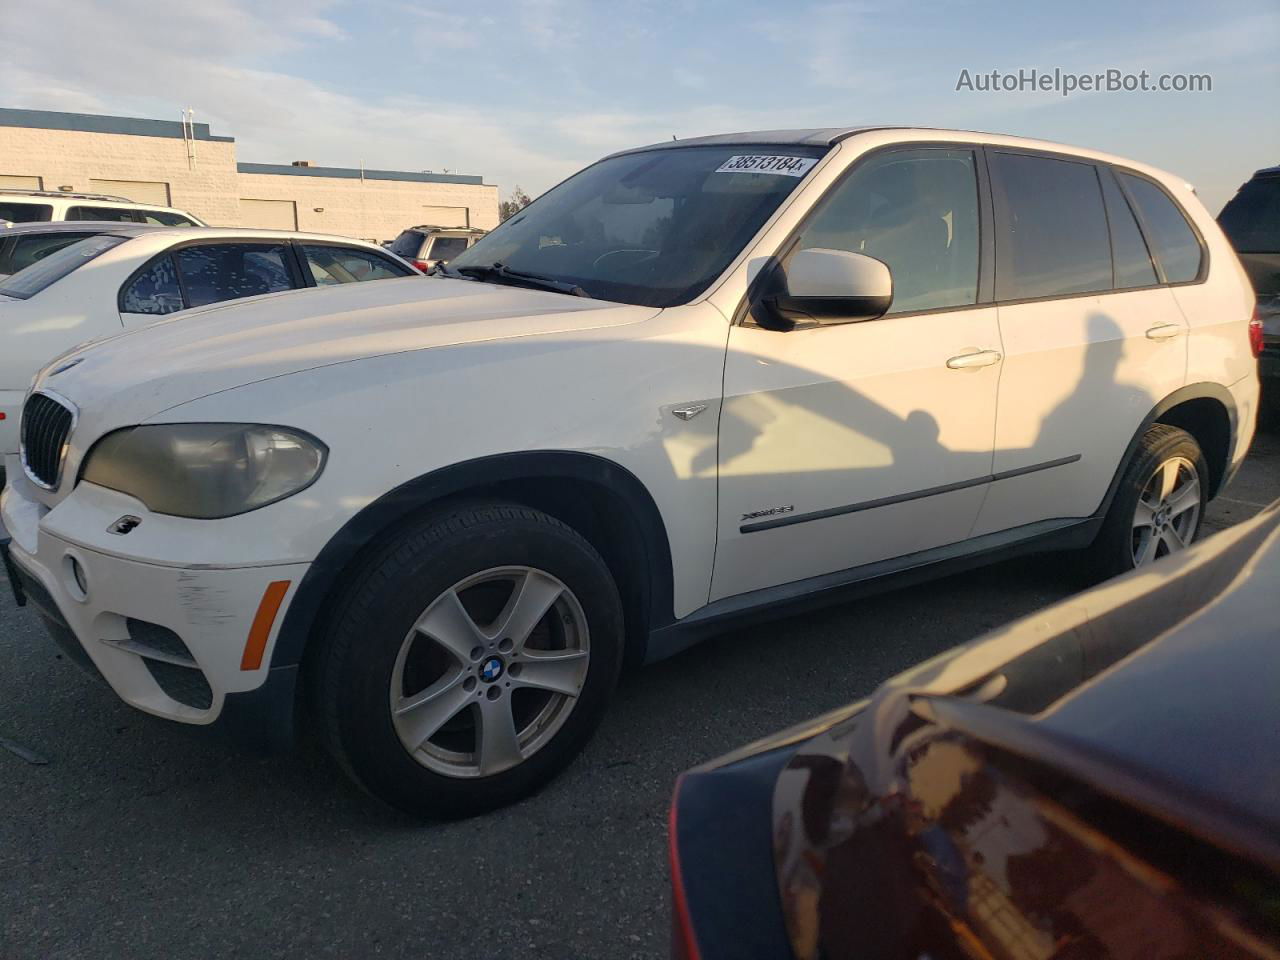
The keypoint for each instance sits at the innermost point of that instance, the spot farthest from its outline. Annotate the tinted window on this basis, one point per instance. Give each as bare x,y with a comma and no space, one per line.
42,273
1251,219
446,248
154,291
215,272
917,211
408,244
18,253
1133,267
1051,236
653,228
25,212
1173,241
165,219
330,265
116,214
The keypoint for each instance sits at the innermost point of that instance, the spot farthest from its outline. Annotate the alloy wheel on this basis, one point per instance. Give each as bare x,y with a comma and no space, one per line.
489,672
1168,512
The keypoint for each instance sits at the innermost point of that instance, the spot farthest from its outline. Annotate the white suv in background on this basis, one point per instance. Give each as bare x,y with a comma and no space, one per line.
42,206
691,386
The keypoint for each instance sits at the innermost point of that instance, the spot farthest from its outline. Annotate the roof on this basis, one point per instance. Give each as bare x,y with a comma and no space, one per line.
80,226
95,123
133,230
439,229
356,173
1267,172
809,137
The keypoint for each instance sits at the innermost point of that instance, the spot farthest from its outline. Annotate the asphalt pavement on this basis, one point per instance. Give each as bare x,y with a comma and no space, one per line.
138,839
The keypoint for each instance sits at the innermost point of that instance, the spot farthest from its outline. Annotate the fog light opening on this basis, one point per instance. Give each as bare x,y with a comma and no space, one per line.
76,578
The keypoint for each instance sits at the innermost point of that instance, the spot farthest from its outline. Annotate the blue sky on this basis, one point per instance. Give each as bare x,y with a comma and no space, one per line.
526,93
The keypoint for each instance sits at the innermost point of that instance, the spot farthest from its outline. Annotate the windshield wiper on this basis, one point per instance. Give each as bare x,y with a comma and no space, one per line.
498,272
442,269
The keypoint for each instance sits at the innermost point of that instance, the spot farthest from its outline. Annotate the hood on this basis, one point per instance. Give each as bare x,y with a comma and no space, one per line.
201,352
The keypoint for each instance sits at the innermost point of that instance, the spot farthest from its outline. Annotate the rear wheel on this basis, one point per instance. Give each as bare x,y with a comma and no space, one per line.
1159,506
471,660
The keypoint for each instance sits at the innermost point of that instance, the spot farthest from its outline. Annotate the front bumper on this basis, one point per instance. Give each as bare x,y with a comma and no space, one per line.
188,643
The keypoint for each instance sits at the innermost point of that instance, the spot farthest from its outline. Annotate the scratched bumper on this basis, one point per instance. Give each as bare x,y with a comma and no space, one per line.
168,639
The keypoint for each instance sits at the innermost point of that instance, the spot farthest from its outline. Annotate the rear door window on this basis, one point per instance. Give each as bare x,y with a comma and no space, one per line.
115,214
1051,228
1174,243
154,291
25,212
1133,266
331,265
214,272
43,273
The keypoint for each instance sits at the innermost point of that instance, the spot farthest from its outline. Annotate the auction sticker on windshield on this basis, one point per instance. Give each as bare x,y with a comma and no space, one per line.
787,166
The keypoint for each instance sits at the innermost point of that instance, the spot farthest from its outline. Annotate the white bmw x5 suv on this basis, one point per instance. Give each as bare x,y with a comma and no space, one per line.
696,383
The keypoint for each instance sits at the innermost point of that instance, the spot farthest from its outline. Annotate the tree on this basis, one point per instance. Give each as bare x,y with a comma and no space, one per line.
509,208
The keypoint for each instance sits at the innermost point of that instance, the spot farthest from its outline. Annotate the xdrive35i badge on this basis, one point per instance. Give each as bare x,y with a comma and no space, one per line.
771,512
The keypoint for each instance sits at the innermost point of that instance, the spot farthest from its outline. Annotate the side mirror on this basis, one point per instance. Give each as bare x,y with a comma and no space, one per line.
832,286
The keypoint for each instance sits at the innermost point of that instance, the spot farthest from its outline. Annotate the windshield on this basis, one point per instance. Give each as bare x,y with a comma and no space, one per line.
652,228
31,280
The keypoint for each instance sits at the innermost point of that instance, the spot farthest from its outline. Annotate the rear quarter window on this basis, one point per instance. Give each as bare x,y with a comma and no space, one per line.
1173,241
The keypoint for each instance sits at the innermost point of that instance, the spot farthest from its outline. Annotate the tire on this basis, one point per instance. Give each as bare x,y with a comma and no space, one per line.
1127,540
380,683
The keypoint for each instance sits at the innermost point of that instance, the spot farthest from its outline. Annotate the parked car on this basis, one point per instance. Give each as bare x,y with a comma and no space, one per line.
44,206
1251,221
130,274
427,246
677,391
1098,779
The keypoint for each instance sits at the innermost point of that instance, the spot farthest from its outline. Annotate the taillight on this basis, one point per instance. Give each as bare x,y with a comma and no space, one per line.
684,946
1255,333
421,265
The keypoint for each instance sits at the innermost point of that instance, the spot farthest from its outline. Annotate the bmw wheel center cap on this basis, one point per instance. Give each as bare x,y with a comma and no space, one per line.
491,669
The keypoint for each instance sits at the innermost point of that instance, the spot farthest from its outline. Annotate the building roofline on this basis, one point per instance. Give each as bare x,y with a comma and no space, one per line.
96,123
348,173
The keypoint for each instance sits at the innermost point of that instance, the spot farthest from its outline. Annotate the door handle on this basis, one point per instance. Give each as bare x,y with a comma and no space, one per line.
1164,331
979,358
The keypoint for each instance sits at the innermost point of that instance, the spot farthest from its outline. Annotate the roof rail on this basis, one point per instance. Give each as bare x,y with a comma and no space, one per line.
59,193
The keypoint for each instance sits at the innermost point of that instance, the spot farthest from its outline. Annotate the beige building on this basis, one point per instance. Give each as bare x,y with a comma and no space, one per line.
183,165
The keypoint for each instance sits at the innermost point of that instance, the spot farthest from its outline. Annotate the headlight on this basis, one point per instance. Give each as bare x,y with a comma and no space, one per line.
206,470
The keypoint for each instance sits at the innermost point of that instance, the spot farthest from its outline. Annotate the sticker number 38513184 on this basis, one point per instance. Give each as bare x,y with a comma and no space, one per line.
787,166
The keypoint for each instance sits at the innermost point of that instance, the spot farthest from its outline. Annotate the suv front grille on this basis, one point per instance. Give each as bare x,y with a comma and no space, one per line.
46,428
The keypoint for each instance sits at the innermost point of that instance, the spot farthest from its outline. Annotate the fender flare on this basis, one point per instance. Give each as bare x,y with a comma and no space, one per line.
1192,391
322,579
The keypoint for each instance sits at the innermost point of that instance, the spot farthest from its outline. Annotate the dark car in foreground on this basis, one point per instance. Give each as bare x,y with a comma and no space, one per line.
1251,221
1100,779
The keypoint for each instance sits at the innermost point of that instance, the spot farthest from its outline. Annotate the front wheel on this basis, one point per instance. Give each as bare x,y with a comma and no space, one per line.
471,660
1159,506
